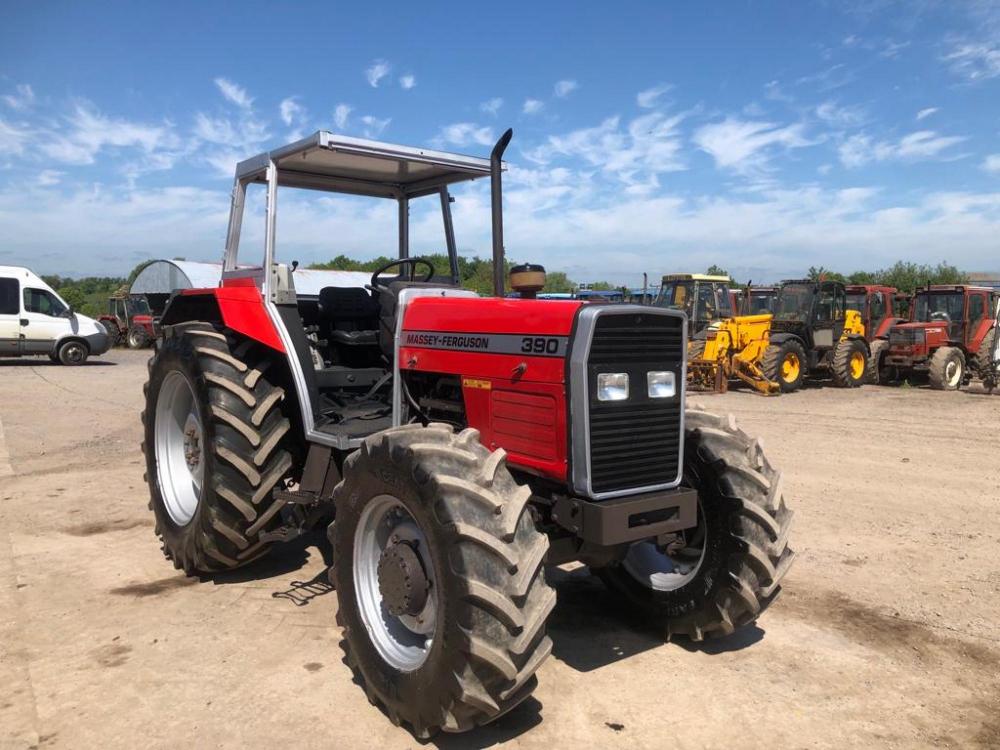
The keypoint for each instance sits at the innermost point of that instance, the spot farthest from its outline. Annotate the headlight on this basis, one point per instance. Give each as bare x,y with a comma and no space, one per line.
612,386
661,384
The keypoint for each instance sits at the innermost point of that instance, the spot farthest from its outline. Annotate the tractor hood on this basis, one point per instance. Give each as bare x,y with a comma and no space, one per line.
490,315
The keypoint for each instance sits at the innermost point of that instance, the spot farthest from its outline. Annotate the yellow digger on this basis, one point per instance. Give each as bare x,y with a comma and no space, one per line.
731,348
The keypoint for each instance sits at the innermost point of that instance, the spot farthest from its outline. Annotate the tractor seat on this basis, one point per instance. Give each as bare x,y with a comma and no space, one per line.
350,314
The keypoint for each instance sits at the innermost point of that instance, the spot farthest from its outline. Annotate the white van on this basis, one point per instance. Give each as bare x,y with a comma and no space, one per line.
36,320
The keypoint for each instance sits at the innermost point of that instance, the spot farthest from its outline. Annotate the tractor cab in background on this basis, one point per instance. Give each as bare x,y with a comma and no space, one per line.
128,320
705,299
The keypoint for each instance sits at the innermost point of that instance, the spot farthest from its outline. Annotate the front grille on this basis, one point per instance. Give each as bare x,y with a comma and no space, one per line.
635,443
905,336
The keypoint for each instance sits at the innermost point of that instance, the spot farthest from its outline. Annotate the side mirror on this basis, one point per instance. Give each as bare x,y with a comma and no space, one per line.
70,312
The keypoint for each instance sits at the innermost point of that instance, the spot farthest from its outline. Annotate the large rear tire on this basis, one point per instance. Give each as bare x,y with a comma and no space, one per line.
947,369
785,363
850,363
216,444
446,628
982,362
731,568
137,338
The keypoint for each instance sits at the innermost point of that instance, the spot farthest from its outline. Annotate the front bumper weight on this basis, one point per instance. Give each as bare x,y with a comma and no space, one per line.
627,519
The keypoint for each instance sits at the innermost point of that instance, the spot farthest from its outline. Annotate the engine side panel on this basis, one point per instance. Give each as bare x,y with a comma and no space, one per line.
511,358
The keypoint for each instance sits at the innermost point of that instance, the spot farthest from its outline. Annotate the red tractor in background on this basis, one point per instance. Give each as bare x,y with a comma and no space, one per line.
460,443
878,307
129,320
950,336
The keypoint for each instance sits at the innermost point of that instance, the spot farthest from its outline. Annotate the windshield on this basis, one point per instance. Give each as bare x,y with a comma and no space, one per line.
139,306
940,306
856,302
699,300
794,302
761,302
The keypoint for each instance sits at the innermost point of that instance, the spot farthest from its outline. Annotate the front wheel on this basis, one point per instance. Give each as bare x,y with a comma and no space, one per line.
725,572
440,585
73,353
947,369
784,363
137,338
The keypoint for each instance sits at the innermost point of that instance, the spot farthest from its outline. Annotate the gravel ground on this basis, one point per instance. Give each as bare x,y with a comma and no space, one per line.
887,633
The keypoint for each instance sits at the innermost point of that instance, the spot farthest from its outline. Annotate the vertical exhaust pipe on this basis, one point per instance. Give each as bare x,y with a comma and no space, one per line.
496,195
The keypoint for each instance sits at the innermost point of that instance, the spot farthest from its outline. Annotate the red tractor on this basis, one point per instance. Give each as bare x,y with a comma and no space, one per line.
877,305
461,444
129,320
950,336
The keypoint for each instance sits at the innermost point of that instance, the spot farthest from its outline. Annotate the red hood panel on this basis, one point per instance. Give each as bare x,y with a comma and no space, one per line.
491,315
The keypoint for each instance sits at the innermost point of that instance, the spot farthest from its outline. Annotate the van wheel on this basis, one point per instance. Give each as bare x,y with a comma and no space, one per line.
73,353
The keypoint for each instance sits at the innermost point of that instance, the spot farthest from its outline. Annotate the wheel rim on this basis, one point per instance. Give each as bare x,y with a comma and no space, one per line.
661,570
790,367
404,640
133,340
180,448
857,365
74,354
953,372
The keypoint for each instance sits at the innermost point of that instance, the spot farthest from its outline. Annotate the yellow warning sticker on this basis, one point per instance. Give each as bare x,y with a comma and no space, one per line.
473,383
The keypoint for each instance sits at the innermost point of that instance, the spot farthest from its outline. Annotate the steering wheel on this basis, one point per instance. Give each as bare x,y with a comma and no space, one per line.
411,262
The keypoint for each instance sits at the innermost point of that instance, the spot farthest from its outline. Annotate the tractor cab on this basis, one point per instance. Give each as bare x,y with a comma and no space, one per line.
876,304
757,300
704,298
816,311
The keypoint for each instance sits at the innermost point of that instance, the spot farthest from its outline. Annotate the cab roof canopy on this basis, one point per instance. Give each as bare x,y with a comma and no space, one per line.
339,163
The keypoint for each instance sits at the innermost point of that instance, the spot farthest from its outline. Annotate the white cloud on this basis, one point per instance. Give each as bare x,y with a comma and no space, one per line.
921,145
992,164
565,88
408,81
926,112
774,93
340,114
12,138
890,49
374,125
291,110
745,146
465,134
634,155
532,106
975,60
234,93
91,131
378,70
491,106
648,98
49,177
840,116
22,98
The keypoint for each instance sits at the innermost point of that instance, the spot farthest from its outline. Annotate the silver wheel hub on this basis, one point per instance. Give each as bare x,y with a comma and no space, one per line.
668,567
953,372
179,445
394,583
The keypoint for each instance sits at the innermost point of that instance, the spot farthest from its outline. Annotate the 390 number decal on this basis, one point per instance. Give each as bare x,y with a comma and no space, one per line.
539,345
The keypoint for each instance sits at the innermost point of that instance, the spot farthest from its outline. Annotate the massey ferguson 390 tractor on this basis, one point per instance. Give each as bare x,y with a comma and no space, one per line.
461,444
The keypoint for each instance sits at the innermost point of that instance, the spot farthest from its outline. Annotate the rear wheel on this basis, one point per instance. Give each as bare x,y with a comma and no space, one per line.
785,364
947,368
982,362
73,353
728,570
850,363
438,569
216,446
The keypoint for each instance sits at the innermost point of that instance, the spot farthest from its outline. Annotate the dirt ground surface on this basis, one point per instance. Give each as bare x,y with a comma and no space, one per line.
887,633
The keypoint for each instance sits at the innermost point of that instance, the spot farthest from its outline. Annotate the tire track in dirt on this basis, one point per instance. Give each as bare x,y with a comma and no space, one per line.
6,470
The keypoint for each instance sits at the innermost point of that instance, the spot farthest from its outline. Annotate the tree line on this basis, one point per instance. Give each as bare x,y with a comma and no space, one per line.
902,275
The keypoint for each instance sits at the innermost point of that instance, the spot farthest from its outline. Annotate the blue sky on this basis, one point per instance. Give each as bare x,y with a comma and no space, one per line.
659,137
